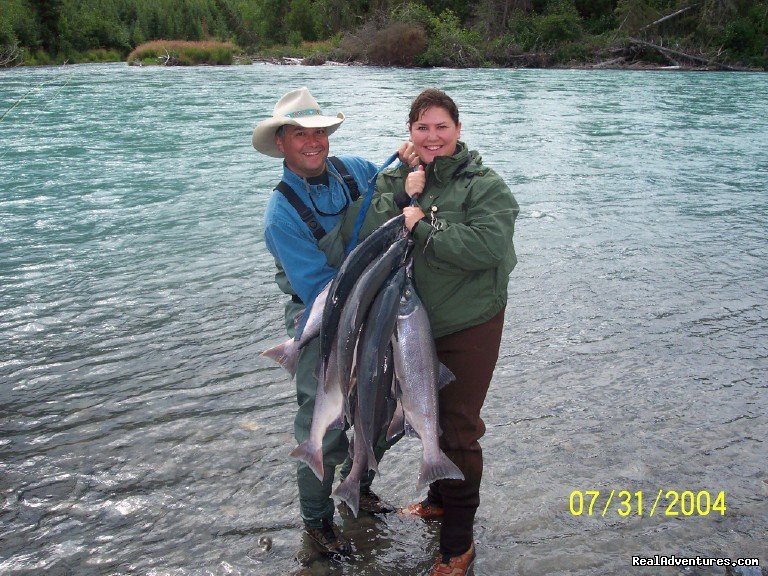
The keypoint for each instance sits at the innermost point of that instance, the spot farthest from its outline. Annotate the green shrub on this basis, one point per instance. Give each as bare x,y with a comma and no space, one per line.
601,24
744,36
634,14
301,19
448,42
37,58
573,52
740,37
523,31
97,55
412,13
294,38
504,51
560,26
7,35
306,50
18,24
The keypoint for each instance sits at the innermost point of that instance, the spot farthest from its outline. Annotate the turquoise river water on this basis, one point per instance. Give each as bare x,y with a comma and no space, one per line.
141,433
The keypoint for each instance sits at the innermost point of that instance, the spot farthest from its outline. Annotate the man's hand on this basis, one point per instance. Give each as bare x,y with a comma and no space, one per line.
407,154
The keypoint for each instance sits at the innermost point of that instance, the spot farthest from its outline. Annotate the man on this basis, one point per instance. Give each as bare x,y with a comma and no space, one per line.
301,229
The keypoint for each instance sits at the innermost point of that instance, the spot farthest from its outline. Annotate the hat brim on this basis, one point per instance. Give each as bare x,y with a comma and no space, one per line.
264,134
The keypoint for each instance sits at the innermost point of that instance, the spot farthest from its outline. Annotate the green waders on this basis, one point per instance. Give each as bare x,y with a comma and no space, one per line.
314,496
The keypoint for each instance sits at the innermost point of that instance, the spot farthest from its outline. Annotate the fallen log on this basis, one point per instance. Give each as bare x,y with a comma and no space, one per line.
667,17
611,62
674,56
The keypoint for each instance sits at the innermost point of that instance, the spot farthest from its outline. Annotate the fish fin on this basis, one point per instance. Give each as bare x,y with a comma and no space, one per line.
349,493
442,468
312,456
338,423
444,376
285,354
397,424
410,431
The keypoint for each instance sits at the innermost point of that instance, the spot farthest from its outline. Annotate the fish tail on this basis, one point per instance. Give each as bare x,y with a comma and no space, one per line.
285,354
444,376
373,464
349,493
312,456
441,468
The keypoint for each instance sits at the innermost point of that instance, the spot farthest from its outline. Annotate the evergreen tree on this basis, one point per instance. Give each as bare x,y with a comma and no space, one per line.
49,19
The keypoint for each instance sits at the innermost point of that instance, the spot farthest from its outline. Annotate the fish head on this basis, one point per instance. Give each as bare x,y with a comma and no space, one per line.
409,299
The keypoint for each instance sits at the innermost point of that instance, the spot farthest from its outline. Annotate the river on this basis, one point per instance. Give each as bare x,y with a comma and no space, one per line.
141,433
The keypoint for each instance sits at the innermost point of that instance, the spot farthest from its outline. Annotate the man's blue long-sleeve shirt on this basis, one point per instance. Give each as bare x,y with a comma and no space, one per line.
289,239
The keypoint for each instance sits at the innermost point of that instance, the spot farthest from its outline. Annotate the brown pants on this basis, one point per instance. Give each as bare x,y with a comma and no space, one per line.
471,355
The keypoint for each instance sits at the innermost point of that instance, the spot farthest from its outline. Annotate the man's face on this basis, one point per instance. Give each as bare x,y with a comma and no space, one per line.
305,149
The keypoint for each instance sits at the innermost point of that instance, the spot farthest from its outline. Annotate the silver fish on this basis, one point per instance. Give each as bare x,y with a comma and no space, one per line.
374,382
328,414
351,269
287,353
359,302
420,375
371,357
349,490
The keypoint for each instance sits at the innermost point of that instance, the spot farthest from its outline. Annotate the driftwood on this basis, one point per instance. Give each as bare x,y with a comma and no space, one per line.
612,62
169,59
675,56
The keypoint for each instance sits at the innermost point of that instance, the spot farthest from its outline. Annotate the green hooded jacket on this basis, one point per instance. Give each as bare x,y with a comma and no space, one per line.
463,258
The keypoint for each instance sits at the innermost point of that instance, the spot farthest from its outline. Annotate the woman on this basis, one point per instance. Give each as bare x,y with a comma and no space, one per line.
462,216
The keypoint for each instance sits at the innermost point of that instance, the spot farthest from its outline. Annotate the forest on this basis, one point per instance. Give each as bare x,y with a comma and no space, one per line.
711,34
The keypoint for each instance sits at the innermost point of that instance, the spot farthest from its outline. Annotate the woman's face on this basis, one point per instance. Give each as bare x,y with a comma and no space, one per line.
434,134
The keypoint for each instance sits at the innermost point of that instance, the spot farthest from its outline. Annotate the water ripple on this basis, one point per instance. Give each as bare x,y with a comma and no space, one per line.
140,431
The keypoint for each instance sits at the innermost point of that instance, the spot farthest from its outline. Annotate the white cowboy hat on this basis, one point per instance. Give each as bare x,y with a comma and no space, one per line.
297,108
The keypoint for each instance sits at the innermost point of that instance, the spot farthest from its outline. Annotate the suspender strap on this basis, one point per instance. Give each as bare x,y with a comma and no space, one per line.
349,180
307,215
304,212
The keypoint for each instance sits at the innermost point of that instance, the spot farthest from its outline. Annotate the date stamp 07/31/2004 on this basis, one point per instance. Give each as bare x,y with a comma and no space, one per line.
625,503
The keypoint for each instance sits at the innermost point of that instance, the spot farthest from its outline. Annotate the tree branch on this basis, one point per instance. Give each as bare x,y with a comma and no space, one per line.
9,53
